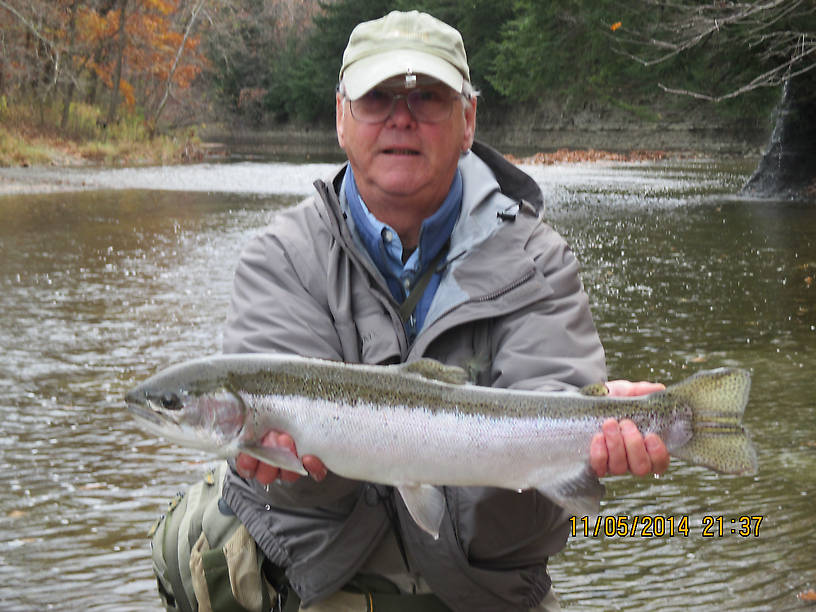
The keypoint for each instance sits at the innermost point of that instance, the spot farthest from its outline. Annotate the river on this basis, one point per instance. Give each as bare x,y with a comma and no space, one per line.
114,273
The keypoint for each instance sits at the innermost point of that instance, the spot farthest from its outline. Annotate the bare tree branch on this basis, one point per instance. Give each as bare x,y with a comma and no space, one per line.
706,26
777,33
771,78
179,51
30,26
54,51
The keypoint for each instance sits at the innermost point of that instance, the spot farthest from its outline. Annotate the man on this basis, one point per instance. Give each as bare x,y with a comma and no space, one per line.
426,244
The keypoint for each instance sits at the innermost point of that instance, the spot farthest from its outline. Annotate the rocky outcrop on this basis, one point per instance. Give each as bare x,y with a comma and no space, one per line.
787,169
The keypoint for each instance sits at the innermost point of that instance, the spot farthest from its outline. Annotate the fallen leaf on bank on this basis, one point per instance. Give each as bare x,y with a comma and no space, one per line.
587,155
17,514
809,595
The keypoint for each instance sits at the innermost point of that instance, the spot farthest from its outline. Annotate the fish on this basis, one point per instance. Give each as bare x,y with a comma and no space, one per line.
420,426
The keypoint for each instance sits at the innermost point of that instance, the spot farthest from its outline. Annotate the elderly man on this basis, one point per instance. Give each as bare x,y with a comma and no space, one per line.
426,244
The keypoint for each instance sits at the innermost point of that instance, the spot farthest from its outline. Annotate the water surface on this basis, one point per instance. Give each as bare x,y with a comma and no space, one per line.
103,286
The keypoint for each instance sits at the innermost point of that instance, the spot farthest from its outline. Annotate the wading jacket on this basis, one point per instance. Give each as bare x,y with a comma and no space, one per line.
510,309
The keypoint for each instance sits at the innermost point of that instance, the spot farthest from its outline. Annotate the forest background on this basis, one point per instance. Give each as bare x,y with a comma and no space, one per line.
139,81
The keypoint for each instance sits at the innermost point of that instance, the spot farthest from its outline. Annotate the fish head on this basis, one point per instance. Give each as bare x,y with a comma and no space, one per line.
189,407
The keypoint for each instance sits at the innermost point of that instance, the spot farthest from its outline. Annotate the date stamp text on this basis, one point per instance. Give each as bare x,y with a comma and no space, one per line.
659,526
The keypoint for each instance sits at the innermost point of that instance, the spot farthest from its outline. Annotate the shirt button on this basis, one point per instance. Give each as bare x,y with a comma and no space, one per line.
388,236
372,497
406,282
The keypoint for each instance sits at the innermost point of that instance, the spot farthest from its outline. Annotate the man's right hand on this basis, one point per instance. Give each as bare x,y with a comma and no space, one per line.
248,467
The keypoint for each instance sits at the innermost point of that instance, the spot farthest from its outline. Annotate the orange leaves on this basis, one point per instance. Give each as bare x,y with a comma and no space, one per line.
809,595
154,31
615,25
163,7
92,27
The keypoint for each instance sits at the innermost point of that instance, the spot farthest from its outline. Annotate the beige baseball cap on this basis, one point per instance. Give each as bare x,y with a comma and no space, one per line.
408,43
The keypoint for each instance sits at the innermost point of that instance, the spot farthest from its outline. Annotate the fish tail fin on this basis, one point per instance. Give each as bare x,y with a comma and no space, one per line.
719,441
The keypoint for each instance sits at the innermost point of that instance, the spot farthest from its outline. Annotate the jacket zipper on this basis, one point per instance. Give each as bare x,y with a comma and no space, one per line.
500,292
482,298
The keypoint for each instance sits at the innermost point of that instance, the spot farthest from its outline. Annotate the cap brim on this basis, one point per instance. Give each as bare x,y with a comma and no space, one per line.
370,71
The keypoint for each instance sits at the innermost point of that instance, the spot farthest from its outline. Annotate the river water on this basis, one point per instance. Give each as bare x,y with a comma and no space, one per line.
114,274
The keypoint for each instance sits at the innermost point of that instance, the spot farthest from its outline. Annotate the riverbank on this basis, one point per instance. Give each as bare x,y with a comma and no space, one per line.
544,129
24,145
27,153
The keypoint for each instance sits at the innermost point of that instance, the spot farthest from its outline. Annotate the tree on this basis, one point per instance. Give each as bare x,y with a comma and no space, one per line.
312,76
144,51
771,44
155,51
168,85
257,50
119,56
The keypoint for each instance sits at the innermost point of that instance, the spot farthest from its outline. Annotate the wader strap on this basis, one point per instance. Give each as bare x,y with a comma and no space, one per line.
287,600
381,602
382,595
408,306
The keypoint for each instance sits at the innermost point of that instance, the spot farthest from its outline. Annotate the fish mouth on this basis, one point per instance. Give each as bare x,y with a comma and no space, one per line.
143,411
135,396
143,407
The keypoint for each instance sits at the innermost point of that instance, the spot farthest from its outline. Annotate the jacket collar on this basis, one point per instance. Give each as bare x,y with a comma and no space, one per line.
501,208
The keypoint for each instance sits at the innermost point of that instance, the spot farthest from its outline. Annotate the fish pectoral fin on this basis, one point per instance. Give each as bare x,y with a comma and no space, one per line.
580,495
436,370
278,456
426,505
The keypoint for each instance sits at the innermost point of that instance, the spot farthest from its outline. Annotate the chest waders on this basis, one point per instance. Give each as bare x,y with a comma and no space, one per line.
205,561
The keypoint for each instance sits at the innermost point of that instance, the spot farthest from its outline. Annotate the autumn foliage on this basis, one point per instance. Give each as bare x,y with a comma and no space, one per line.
152,45
141,54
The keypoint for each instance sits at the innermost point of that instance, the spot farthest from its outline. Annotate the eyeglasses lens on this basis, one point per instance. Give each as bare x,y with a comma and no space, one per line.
426,105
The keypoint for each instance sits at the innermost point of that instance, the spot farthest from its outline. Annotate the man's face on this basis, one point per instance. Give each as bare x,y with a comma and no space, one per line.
401,161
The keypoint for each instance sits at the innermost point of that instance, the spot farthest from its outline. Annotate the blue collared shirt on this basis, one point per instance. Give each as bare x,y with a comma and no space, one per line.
386,251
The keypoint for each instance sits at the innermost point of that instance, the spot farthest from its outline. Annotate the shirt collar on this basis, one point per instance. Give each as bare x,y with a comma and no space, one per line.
381,240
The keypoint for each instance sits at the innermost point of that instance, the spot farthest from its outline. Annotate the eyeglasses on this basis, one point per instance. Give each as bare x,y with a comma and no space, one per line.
426,105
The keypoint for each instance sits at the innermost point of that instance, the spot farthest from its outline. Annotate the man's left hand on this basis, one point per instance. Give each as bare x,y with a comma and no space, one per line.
620,447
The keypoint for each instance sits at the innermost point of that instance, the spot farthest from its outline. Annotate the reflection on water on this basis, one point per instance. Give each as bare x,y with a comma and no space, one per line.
98,289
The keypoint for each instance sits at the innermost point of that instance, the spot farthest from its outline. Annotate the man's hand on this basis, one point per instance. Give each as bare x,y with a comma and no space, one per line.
620,447
249,467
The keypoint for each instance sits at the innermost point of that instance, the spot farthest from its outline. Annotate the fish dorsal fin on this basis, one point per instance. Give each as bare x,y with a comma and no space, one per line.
426,505
435,370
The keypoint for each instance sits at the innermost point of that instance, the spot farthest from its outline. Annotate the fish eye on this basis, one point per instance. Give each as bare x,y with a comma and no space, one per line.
170,401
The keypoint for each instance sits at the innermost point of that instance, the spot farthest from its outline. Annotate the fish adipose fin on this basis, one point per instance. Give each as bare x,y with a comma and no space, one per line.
595,390
278,456
719,441
435,370
580,496
426,505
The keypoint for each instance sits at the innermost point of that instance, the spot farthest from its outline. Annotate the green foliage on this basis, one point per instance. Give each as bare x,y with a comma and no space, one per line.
563,48
570,52
478,22
314,74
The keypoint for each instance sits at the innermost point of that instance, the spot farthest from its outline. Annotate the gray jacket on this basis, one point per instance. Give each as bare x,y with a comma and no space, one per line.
510,308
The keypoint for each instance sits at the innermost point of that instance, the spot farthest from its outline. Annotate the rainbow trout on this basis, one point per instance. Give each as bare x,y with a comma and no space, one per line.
419,425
